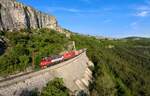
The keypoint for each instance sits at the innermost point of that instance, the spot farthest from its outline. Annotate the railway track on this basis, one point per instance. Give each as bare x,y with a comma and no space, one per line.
9,78
12,80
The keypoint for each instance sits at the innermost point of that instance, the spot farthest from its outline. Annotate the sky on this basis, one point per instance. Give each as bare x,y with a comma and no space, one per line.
108,18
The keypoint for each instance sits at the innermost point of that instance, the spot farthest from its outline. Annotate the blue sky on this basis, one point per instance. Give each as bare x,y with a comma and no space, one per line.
110,18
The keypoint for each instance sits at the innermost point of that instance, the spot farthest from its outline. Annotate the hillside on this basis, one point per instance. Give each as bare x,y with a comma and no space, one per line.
122,67
21,45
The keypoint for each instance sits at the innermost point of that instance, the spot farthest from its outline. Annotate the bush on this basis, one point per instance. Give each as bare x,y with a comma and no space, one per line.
55,88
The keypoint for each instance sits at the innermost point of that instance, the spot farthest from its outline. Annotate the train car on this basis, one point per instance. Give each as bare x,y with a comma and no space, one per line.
57,58
45,61
69,55
48,61
78,52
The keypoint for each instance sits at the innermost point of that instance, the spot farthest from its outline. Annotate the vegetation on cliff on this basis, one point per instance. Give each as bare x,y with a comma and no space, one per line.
21,46
122,67
55,88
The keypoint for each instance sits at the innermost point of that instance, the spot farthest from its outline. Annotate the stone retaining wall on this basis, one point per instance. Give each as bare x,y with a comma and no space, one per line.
75,73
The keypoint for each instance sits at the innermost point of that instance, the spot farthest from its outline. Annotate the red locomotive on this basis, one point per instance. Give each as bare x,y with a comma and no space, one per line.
69,55
48,61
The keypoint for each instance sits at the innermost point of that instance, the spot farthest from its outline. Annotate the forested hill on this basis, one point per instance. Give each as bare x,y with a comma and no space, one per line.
122,67
18,47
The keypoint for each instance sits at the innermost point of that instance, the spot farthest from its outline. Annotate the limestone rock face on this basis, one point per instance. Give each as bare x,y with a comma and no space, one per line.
16,16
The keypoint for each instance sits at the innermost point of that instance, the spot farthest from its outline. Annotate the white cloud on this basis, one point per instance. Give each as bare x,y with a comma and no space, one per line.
73,10
143,10
63,9
143,13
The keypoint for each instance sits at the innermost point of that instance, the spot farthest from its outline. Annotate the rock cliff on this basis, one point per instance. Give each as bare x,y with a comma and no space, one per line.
16,16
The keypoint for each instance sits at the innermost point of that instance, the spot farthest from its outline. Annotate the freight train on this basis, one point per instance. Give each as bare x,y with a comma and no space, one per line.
49,61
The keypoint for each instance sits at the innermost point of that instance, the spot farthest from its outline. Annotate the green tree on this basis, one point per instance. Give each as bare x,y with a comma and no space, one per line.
24,60
55,88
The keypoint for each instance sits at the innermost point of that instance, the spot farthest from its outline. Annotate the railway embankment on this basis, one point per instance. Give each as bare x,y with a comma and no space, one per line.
75,72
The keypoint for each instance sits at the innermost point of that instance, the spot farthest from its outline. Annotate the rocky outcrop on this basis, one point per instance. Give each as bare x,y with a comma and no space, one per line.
16,16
